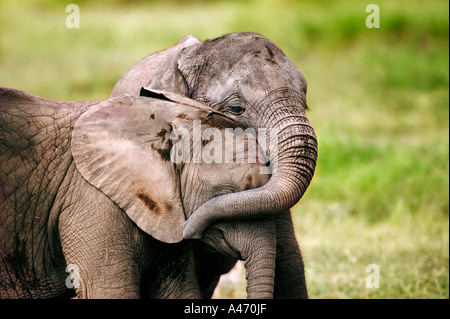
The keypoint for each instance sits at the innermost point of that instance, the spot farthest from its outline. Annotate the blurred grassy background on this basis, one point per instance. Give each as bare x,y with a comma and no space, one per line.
379,101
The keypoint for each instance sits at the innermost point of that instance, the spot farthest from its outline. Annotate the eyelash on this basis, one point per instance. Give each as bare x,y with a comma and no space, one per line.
224,107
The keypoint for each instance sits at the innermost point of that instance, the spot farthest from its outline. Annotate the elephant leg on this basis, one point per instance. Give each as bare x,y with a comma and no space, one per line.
171,274
290,280
210,266
103,248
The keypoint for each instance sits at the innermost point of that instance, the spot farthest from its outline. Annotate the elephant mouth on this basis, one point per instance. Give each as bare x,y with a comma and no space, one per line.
215,239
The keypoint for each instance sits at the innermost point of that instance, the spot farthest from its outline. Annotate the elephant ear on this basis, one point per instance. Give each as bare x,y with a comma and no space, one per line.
169,76
159,68
122,147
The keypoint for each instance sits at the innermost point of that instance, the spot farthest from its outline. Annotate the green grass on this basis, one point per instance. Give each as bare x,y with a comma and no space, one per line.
379,101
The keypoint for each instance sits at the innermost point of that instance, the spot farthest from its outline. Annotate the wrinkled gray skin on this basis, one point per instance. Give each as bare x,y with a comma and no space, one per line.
249,78
73,191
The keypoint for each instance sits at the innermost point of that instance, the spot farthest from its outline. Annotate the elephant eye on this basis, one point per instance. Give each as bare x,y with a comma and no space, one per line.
236,110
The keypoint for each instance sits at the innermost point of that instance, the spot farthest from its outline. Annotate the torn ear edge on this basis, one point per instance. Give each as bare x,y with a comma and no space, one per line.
156,94
211,113
172,97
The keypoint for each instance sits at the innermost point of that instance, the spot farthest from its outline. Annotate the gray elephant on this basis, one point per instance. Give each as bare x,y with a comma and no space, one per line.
97,186
250,79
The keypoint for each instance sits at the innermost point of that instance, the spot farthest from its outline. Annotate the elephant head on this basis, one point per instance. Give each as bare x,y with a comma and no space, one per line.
140,152
249,78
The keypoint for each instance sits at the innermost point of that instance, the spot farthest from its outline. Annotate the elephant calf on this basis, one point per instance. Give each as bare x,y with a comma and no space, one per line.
69,171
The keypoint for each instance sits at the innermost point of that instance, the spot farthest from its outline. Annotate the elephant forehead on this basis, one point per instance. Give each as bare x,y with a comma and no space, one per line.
236,45
245,59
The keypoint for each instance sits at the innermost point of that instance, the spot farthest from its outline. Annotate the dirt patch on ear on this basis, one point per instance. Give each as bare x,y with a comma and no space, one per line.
164,147
150,203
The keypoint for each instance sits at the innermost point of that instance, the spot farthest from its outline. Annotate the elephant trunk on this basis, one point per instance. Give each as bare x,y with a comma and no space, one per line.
293,168
293,164
260,271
